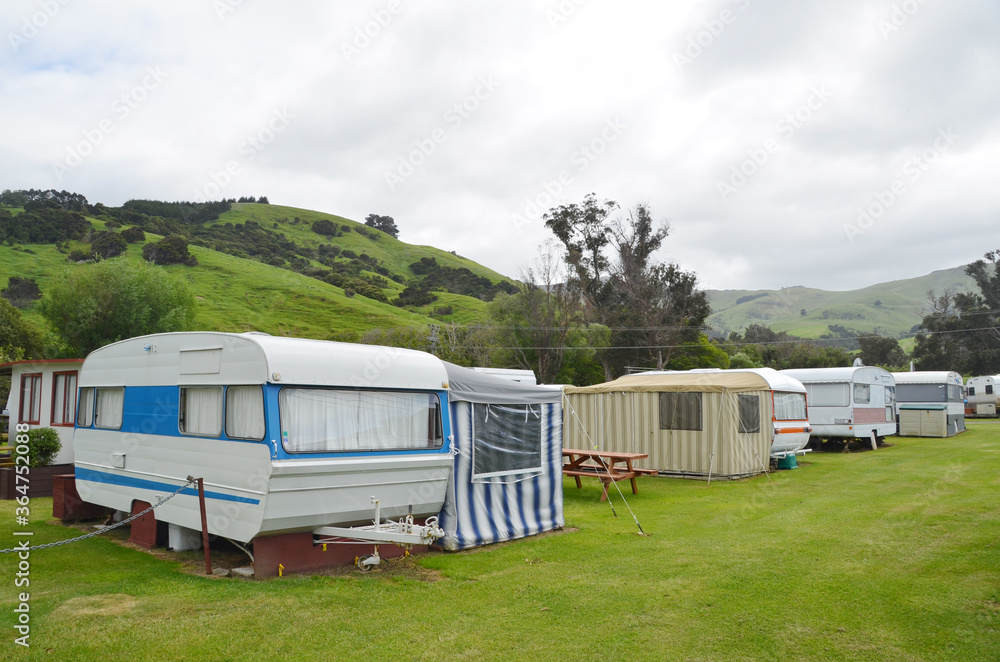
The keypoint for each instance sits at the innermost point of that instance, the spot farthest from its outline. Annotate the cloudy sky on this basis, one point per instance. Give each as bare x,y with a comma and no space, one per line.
796,142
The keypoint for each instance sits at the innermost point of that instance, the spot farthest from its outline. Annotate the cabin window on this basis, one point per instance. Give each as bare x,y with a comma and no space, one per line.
972,390
110,407
31,398
64,398
200,411
829,395
862,394
789,407
507,442
989,390
954,393
315,420
85,415
245,412
749,413
680,411
920,392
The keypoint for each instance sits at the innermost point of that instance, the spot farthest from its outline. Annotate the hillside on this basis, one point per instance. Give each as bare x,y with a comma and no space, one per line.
892,308
237,293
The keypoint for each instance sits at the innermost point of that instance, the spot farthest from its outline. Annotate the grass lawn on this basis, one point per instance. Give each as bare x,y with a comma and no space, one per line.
886,555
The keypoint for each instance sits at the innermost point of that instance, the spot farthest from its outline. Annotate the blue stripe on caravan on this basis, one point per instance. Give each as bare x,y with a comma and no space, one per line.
508,517
470,490
519,505
488,500
142,483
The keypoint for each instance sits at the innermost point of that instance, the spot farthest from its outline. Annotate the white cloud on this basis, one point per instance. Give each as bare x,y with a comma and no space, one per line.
686,127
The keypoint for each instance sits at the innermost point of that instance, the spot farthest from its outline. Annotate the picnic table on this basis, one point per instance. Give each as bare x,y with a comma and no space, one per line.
608,466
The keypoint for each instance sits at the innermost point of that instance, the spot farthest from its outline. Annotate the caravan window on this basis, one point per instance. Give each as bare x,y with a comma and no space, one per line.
789,406
828,395
317,420
110,406
85,416
63,398
31,398
989,390
749,413
245,412
972,390
200,412
862,394
680,411
506,441
920,392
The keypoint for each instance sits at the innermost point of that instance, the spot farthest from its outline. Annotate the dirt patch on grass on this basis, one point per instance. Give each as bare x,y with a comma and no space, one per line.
107,604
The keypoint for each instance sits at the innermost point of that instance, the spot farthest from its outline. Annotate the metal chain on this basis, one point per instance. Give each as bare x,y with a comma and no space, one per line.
107,528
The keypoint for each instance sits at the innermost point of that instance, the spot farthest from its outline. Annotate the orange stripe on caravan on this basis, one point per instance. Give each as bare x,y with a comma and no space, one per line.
791,430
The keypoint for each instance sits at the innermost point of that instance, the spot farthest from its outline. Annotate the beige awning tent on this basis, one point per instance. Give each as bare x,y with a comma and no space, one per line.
630,415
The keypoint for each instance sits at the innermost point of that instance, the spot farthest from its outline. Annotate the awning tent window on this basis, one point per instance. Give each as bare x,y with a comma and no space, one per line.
749,413
680,411
507,442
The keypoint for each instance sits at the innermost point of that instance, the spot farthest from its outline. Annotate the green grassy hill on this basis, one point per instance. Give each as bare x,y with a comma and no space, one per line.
240,294
892,308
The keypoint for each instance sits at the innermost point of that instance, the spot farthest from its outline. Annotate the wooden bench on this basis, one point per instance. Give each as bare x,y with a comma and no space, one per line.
604,465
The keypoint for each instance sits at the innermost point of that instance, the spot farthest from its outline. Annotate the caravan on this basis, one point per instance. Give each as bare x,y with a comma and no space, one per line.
289,435
849,403
983,396
931,403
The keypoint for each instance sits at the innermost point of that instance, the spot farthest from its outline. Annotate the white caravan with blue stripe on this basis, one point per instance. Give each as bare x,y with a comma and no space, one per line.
289,434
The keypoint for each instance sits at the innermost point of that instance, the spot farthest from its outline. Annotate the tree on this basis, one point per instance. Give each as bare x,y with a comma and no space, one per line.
19,338
113,300
538,319
324,227
107,244
172,249
21,292
655,310
962,331
384,223
880,350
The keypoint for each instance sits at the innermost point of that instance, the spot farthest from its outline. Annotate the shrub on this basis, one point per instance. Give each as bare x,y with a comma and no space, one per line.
172,249
43,446
133,234
21,292
108,244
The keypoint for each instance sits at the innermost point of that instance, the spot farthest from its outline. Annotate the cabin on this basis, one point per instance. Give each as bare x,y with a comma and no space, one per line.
858,402
507,479
930,403
291,436
43,394
699,423
982,396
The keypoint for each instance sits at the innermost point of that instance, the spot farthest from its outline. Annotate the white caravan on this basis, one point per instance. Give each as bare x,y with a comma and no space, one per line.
849,403
983,395
290,435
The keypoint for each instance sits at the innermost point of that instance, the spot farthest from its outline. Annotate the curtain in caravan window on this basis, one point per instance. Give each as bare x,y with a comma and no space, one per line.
245,412
749,413
86,417
506,442
862,394
829,395
680,411
789,406
331,420
201,411
110,406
